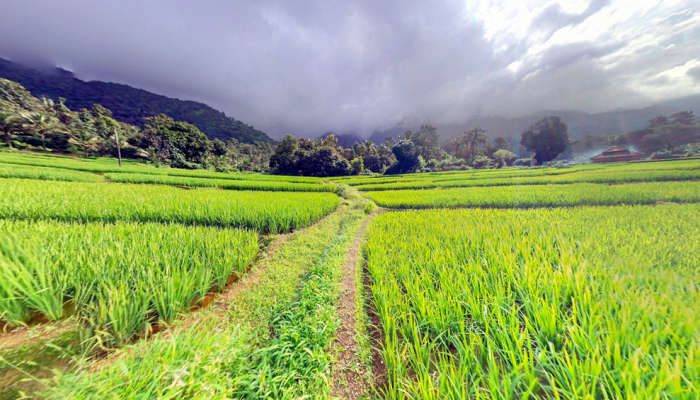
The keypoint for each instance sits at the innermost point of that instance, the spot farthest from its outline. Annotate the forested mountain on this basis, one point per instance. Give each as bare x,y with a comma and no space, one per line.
128,104
580,124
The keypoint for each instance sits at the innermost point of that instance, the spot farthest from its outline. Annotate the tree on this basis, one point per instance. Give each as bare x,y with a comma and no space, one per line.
426,141
179,143
10,124
546,138
357,165
504,157
501,143
469,146
283,160
41,125
408,158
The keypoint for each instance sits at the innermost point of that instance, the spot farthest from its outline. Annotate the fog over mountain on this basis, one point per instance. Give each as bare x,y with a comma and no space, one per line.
370,66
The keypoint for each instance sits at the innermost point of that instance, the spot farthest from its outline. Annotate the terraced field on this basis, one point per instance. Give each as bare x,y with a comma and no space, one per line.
570,303
141,281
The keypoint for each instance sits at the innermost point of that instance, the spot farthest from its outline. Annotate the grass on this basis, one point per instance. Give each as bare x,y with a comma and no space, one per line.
120,278
46,173
575,303
272,346
267,185
109,202
540,195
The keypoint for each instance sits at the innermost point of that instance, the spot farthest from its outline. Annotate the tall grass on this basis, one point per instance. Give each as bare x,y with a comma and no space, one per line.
119,276
577,303
109,202
527,196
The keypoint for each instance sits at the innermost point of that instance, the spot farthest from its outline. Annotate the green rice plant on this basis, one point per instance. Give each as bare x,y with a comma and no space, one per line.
569,303
268,185
46,173
119,277
585,176
104,164
271,344
529,196
101,164
109,202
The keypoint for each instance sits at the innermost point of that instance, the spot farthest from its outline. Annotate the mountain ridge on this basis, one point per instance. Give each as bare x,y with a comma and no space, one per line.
127,103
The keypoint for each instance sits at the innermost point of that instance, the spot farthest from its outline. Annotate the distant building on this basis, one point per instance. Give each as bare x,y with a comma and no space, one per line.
616,154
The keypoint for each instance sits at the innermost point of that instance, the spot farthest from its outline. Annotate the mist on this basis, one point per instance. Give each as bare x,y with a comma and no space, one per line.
317,66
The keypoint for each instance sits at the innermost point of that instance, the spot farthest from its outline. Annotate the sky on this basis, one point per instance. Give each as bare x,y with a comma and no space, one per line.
316,66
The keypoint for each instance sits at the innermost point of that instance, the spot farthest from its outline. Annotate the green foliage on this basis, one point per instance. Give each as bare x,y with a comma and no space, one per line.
309,157
533,304
27,122
504,157
357,165
469,146
130,105
110,202
546,138
119,276
408,158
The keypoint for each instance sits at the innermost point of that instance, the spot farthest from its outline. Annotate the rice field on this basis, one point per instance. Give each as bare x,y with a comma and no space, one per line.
118,278
561,177
265,185
46,173
265,212
569,303
533,196
517,283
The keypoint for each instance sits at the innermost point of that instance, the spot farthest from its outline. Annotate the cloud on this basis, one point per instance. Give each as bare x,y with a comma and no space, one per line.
694,73
313,66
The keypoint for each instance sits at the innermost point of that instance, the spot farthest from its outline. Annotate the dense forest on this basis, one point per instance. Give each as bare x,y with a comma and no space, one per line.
126,103
28,122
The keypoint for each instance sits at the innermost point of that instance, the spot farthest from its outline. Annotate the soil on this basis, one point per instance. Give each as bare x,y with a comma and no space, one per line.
349,381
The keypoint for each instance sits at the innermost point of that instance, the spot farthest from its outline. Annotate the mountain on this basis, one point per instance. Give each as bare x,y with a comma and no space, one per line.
581,124
128,104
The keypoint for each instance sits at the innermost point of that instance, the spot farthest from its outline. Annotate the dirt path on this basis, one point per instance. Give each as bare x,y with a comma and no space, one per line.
349,379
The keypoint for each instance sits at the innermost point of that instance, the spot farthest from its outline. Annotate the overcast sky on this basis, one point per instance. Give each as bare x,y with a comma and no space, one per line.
313,66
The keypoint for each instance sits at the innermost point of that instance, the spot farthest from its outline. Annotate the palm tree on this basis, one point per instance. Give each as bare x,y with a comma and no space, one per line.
9,125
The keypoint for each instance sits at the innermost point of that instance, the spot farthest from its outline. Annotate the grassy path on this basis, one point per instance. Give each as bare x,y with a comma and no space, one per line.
268,336
350,373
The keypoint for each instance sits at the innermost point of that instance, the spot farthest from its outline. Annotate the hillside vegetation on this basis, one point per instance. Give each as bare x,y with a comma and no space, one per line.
128,104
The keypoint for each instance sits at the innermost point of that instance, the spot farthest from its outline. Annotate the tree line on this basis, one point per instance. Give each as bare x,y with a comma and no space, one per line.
28,122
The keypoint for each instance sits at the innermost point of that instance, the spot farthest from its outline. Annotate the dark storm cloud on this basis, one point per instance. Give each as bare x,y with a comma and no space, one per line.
311,66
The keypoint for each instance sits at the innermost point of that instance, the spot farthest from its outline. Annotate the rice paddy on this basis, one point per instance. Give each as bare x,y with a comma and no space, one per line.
266,185
119,278
515,196
110,202
578,303
538,283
